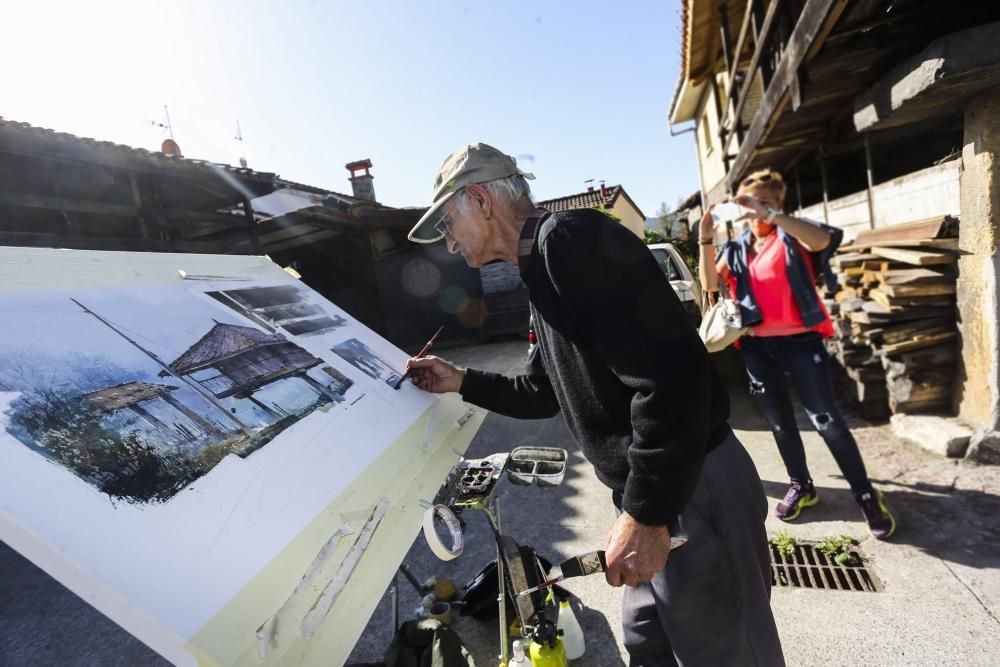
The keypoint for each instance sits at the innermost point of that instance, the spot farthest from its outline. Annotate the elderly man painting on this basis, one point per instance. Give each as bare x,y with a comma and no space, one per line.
634,383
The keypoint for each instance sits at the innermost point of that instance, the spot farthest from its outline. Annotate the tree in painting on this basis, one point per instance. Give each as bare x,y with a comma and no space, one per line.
52,414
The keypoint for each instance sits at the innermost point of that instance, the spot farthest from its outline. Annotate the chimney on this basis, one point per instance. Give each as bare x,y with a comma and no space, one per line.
362,183
604,192
590,184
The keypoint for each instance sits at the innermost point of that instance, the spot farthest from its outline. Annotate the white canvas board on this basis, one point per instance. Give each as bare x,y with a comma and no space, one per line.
102,466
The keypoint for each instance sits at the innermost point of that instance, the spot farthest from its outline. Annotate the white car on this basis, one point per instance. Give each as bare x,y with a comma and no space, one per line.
676,270
686,286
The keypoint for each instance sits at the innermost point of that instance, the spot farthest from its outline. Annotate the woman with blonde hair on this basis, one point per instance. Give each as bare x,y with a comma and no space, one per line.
770,271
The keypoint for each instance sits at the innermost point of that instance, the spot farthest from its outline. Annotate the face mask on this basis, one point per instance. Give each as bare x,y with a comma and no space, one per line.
762,229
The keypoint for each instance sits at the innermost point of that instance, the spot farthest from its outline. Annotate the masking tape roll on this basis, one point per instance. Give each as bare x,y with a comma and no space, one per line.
434,540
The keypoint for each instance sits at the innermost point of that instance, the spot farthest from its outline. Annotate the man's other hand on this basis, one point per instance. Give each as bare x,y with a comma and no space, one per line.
635,551
435,375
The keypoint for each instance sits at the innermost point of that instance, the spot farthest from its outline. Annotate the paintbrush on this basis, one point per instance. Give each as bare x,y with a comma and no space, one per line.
582,565
422,352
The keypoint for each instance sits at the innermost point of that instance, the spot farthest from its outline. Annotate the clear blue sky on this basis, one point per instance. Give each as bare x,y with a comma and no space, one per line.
583,87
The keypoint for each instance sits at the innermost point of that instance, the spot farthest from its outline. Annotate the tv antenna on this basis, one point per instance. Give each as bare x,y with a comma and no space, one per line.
165,124
243,149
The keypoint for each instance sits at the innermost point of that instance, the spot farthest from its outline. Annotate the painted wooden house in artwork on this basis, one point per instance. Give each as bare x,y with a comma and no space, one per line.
236,361
132,395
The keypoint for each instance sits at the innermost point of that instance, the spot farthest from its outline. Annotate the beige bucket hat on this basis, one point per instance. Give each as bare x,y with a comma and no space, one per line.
475,163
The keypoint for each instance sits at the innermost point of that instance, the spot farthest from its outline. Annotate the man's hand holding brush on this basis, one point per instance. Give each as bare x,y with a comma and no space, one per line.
635,551
434,374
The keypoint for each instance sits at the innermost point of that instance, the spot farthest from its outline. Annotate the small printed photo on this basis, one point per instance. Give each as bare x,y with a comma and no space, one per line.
359,355
285,307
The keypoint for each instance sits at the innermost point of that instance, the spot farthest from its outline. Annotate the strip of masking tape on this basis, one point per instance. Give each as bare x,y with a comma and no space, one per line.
434,541
322,606
464,418
430,424
268,630
202,276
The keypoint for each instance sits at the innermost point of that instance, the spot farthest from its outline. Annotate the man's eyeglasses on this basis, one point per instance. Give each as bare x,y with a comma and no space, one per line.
443,227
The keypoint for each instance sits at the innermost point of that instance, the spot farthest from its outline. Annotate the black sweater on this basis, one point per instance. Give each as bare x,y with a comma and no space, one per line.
618,355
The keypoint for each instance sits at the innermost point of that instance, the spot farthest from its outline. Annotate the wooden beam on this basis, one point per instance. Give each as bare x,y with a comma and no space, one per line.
758,20
798,191
932,244
271,246
761,45
719,115
48,202
80,242
741,40
826,192
137,202
811,22
796,90
935,227
733,97
732,93
26,200
252,227
916,257
72,224
727,39
871,183
933,83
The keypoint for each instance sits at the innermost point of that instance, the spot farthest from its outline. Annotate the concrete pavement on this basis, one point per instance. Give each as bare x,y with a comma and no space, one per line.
941,572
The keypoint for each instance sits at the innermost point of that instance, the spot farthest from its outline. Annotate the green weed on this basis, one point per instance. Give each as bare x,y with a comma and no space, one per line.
785,543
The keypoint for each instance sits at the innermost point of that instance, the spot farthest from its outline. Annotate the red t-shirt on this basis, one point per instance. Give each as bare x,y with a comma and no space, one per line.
769,286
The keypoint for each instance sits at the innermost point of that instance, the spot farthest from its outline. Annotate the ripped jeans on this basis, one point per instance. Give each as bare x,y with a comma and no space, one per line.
804,359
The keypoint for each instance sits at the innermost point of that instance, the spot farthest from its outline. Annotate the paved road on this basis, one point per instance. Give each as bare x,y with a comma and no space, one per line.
942,573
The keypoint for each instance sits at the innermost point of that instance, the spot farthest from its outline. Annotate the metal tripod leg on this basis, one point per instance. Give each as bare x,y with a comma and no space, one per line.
394,589
408,573
492,512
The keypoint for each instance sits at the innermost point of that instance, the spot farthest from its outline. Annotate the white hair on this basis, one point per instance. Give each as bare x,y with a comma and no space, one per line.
507,190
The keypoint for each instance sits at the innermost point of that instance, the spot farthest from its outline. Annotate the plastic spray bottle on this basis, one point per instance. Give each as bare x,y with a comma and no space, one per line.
518,656
572,633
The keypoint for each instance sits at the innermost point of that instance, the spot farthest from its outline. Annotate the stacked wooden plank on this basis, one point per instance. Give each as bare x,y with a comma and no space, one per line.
895,317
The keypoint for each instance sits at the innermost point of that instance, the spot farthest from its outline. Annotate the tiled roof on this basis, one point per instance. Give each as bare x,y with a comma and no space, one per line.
127,394
684,37
694,199
351,199
589,199
221,342
15,135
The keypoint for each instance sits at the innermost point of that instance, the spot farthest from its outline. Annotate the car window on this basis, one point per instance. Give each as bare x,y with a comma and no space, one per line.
666,263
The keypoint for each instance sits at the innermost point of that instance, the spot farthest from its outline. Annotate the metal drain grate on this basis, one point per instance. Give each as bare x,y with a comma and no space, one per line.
809,568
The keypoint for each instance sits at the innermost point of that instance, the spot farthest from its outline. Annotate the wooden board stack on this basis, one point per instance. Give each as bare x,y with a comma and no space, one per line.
895,317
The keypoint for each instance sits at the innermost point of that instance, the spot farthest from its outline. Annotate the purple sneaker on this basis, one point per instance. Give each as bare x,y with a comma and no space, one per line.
881,523
796,497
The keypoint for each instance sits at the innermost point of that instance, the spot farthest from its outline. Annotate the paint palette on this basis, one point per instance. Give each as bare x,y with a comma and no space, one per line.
471,483
476,480
545,465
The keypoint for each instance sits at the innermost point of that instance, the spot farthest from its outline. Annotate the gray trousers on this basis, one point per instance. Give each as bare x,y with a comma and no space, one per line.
711,605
